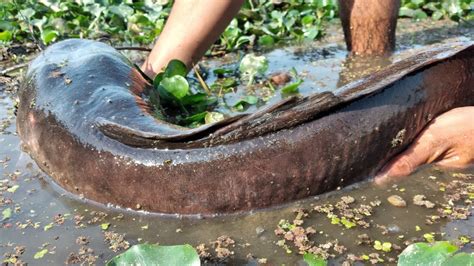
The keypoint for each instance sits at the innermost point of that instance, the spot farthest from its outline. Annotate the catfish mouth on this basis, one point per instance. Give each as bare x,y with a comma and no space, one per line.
289,112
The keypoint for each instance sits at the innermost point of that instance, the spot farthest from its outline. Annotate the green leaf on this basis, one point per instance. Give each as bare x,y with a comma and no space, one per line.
158,78
13,188
212,117
175,67
462,258
426,254
266,40
437,15
252,65
178,86
196,118
311,33
194,99
105,226
48,226
40,254
348,224
49,35
429,237
7,213
6,36
228,83
222,71
335,220
147,254
386,246
314,260
292,87
122,10
247,100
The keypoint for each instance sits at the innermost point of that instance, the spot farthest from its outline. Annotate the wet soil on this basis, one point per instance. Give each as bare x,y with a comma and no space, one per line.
41,224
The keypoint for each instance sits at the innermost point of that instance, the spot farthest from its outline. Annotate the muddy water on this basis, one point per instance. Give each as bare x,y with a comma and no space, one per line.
46,217
38,203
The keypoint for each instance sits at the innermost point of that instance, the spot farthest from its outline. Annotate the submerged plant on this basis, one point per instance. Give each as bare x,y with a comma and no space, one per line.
252,66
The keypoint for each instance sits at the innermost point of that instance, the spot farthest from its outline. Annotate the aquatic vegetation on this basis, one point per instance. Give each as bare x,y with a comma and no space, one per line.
452,9
175,101
251,66
181,99
6,214
147,254
314,260
40,254
385,246
260,22
438,253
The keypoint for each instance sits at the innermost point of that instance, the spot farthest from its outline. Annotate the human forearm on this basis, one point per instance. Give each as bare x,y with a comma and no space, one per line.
190,30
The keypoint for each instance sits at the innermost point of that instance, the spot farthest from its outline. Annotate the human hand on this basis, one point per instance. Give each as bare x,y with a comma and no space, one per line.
448,141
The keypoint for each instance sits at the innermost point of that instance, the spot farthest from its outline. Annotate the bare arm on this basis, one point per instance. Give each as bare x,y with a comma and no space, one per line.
448,141
191,29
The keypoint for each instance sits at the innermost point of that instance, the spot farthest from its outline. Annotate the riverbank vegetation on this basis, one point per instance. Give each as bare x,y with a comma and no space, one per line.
259,23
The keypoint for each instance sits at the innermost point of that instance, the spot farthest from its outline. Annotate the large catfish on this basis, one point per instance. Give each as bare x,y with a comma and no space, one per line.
83,119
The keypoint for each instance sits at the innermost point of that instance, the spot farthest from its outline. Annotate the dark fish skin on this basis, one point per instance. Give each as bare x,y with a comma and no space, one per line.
82,119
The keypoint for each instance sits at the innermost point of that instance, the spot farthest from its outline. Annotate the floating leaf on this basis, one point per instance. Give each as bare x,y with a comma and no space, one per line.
386,246
292,87
348,224
335,220
377,245
247,100
7,213
13,188
40,254
252,65
462,258
426,254
212,117
314,260
48,226
147,254
105,226
222,71
429,237
464,239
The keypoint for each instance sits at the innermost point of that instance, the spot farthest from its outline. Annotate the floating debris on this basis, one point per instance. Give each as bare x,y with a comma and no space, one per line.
397,201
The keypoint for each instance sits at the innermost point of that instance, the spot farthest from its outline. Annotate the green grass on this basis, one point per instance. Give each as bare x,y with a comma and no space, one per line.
260,22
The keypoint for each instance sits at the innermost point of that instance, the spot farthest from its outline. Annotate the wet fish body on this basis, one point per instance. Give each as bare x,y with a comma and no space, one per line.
82,119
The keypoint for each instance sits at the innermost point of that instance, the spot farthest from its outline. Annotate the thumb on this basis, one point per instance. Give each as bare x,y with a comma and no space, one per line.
419,153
